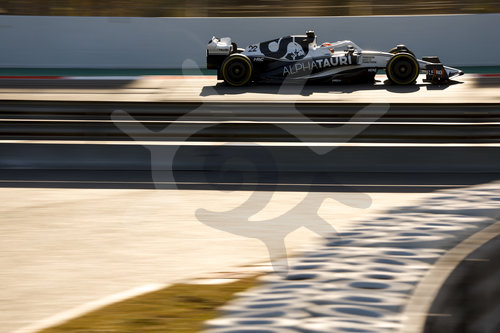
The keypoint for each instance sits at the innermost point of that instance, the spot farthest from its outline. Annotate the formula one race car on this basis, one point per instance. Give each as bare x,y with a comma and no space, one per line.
299,57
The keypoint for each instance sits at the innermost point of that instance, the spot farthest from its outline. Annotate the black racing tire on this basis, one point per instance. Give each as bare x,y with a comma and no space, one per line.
402,69
395,50
237,70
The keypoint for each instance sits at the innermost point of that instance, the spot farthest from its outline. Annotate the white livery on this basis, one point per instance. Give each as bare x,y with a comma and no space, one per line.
299,57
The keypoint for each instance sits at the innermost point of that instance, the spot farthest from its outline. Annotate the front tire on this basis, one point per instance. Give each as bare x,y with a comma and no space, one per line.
401,49
402,69
237,70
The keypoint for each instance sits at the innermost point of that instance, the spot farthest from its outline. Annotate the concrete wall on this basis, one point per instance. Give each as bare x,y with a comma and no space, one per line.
92,42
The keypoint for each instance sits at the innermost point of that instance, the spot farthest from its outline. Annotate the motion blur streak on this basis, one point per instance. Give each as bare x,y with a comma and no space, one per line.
218,8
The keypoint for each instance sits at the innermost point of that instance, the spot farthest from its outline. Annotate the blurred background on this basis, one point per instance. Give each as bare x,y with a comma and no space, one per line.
217,8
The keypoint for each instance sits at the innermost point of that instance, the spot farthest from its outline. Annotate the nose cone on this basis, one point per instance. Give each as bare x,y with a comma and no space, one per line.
453,72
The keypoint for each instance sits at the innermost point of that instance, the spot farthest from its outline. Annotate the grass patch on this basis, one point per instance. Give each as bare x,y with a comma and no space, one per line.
180,308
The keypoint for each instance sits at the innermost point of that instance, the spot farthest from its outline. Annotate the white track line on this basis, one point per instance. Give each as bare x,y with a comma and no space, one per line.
230,122
248,144
80,310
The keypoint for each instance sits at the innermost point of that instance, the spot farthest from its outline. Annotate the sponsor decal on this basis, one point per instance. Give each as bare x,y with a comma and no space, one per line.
258,59
289,47
439,72
369,60
317,64
294,51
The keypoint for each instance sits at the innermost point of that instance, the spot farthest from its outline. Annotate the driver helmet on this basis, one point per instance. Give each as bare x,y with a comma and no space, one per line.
329,46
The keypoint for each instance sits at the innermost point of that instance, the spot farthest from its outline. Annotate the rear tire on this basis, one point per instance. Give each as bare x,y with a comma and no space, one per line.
237,70
402,69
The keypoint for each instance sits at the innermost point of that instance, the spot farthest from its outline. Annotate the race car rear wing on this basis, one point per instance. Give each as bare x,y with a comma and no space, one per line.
217,50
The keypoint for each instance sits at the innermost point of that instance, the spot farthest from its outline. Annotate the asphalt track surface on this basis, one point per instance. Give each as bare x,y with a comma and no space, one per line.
68,233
